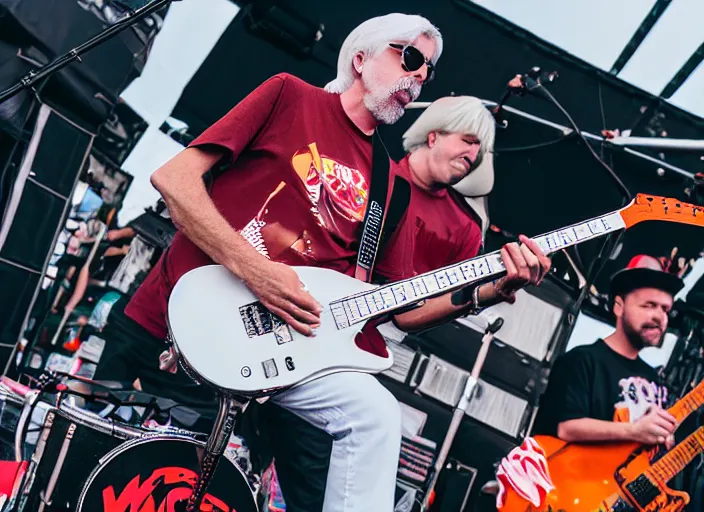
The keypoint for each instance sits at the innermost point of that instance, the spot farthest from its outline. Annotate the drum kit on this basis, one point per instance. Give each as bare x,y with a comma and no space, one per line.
75,459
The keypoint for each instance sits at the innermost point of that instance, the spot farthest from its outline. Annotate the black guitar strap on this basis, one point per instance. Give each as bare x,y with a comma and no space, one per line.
381,217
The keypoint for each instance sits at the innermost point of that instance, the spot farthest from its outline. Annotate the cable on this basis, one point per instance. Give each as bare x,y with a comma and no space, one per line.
533,146
533,86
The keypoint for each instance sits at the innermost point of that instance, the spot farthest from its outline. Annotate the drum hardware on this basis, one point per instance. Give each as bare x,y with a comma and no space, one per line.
73,441
45,496
30,474
215,448
71,444
114,395
25,404
69,437
15,402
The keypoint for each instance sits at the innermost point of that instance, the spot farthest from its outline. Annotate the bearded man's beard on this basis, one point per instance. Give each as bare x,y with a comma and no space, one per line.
381,102
636,336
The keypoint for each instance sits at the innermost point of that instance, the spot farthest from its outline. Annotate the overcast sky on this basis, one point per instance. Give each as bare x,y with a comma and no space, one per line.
597,31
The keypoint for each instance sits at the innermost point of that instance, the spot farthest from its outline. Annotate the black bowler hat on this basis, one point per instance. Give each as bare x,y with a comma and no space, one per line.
642,272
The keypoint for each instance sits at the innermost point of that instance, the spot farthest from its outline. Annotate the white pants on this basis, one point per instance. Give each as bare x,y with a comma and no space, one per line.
364,420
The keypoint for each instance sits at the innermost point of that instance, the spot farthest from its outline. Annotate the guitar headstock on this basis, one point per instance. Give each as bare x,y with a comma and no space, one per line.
647,207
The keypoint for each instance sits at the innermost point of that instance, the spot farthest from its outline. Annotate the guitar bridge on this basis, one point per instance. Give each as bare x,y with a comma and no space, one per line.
642,490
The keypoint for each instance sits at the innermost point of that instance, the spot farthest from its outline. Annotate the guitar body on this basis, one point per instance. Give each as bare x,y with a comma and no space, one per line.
595,477
229,340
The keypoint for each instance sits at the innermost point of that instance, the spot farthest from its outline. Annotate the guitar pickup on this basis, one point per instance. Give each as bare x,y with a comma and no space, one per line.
270,369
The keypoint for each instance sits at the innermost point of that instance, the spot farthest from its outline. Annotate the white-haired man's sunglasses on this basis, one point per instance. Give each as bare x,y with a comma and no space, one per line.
412,59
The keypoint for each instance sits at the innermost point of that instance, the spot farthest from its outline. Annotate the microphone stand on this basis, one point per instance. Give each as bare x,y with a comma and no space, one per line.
125,22
460,411
658,143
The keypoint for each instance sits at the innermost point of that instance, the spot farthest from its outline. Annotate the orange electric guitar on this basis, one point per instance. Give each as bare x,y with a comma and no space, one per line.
615,477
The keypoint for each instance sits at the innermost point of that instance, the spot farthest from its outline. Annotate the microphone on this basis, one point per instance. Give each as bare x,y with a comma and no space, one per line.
534,80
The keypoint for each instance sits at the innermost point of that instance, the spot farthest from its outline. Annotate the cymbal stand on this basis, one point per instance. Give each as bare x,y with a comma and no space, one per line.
214,448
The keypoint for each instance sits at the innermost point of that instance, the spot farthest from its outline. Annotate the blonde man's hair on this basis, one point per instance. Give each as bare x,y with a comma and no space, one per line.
453,114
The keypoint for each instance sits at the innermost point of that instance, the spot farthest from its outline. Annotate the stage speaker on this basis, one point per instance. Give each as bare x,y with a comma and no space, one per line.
46,29
35,213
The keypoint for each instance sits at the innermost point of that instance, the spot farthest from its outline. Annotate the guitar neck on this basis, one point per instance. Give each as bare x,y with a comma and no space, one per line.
674,461
401,294
688,403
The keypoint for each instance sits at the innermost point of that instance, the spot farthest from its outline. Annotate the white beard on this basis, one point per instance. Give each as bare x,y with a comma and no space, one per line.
380,101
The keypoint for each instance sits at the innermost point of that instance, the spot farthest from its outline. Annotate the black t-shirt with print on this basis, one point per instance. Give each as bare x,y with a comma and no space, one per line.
593,381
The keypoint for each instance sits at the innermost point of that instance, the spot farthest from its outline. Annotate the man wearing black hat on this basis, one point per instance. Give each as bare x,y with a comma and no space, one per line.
605,391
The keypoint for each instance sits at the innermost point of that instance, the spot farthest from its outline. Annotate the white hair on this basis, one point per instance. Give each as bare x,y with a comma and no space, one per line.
372,36
453,114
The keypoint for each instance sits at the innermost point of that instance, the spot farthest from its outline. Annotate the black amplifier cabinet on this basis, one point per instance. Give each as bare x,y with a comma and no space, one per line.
522,349
459,345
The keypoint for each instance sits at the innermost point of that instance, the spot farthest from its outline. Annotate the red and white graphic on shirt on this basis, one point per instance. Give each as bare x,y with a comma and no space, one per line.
637,395
337,196
331,184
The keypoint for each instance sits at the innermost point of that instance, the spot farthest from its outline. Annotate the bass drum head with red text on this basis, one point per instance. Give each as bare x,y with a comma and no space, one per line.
157,474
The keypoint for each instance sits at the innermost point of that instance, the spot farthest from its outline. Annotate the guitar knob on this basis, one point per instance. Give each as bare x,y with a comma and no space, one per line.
622,506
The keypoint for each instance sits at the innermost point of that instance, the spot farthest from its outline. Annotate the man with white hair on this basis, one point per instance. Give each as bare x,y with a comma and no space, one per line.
295,191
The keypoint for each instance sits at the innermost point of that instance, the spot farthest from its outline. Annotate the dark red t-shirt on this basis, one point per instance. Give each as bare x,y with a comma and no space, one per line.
436,231
296,189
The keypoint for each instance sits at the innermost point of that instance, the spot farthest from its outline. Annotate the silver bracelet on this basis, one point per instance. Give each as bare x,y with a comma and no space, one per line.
476,308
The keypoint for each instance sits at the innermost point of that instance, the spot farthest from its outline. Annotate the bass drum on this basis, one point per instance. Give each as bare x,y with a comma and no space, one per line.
157,474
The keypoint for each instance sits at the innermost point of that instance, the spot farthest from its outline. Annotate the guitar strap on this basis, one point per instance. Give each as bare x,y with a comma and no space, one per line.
382,216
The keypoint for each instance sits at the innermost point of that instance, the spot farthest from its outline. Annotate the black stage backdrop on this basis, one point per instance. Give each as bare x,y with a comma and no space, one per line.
536,190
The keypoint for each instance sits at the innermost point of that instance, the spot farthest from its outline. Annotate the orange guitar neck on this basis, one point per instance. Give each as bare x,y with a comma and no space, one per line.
688,403
674,461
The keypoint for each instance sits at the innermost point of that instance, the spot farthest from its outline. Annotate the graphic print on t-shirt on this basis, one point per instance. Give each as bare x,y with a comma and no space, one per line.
331,185
637,395
337,193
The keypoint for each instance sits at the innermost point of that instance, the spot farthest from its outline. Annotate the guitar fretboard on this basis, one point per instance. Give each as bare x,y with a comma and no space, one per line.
392,297
674,461
688,403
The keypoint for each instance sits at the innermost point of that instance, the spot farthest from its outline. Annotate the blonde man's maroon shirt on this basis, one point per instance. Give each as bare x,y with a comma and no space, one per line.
438,229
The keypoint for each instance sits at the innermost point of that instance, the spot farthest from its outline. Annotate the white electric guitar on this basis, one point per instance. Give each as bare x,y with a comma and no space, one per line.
229,340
